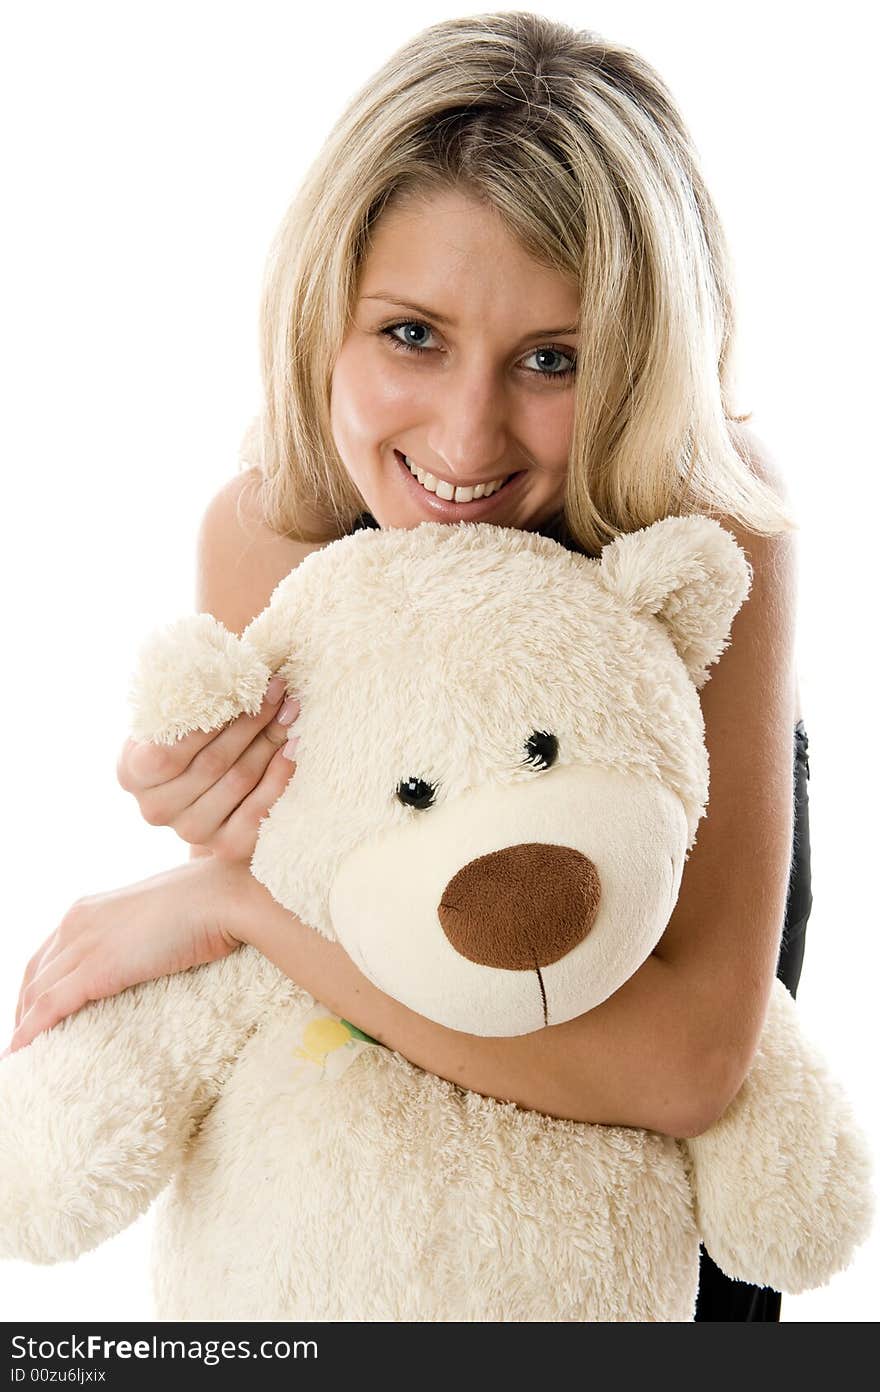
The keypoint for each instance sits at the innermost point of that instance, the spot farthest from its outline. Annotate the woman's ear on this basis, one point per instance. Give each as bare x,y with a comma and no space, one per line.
690,574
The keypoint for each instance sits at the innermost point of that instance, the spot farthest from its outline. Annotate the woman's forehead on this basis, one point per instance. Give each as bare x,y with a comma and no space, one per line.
452,253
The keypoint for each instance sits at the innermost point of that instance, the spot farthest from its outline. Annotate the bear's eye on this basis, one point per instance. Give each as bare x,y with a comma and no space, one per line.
541,749
415,792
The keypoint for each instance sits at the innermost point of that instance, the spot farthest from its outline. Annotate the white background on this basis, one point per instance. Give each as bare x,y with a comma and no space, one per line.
151,151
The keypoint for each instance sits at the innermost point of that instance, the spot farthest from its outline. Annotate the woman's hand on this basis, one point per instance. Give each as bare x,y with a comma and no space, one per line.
214,789
107,942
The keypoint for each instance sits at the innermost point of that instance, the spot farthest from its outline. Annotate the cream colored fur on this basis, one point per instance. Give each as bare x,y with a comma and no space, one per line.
389,1194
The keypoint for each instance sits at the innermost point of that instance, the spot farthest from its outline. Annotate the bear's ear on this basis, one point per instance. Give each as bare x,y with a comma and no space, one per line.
690,574
273,633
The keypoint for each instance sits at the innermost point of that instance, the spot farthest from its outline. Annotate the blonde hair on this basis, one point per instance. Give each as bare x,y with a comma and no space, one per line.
578,145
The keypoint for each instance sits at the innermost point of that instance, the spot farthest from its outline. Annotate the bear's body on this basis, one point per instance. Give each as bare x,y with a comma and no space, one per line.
500,774
389,1194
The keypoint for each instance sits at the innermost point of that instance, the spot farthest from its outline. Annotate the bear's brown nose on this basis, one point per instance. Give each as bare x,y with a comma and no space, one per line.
521,908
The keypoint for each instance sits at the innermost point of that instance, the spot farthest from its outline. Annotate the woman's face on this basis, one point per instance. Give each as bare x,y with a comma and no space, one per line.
489,399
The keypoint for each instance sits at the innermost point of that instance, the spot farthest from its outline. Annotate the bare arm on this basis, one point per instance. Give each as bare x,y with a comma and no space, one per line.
669,1049
626,1063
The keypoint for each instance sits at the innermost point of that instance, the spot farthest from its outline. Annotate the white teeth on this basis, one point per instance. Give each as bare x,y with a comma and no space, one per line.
446,490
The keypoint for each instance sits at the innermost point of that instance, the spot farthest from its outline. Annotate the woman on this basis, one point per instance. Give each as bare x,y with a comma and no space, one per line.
501,295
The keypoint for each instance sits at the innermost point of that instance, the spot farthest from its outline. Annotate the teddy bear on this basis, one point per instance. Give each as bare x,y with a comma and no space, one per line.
500,774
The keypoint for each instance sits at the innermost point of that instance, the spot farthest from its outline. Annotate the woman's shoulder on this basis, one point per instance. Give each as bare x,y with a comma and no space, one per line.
757,455
240,558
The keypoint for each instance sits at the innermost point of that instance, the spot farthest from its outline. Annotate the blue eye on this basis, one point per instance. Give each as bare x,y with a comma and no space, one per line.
391,333
396,342
554,353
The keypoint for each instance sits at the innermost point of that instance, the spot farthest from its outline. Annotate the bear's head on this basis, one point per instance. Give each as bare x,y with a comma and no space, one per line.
501,764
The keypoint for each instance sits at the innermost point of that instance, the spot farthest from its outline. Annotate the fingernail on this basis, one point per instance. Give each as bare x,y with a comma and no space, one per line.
289,748
288,712
275,689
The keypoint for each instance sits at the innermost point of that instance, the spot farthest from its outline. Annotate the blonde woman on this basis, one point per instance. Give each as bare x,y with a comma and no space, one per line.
501,295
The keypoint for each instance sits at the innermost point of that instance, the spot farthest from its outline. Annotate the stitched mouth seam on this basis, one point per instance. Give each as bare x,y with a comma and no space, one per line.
456,908
543,992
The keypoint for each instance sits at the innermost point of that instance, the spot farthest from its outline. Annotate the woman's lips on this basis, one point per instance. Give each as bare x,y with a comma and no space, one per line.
450,511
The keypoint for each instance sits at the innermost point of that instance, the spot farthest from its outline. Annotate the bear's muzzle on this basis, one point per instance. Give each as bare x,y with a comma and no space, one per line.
522,907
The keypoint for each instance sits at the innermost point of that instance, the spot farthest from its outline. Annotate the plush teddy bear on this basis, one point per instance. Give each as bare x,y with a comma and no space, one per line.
501,770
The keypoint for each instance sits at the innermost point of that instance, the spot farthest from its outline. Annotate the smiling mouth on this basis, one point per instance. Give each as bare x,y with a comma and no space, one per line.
441,489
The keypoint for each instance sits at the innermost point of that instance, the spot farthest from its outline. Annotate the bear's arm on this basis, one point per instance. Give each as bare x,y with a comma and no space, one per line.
96,1112
782,1181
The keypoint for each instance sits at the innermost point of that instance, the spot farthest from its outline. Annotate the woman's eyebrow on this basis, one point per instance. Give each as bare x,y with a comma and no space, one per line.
444,319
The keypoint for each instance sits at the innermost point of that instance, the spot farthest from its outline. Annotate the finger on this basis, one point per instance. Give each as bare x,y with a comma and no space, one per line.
51,971
42,955
144,765
236,839
69,932
222,759
228,746
66,996
199,823
277,731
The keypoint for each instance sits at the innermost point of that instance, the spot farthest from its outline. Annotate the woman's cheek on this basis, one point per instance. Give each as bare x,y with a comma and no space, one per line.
552,431
361,396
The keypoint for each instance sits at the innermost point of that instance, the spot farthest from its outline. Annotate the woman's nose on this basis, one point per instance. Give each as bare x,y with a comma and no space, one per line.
468,437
